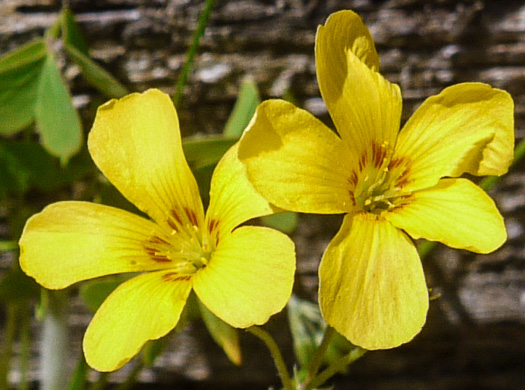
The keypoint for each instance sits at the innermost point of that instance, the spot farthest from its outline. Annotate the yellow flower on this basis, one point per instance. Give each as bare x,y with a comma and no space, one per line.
391,184
242,274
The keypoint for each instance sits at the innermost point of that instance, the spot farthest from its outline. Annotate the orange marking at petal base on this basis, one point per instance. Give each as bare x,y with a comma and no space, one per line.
158,240
174,277
213,224
191,216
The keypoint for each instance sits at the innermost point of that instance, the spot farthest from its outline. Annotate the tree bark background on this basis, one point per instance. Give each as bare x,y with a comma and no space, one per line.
474,337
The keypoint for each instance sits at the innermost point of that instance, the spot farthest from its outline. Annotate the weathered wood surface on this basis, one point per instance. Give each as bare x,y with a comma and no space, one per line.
474,337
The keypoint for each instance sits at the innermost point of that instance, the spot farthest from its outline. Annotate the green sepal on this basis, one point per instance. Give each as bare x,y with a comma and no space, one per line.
224,335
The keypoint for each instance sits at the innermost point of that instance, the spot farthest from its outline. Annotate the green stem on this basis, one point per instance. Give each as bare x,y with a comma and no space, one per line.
7,347
276,355
190,55
318,357
336,368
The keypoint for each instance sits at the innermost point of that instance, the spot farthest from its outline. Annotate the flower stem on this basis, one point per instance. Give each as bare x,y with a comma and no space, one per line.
192,50
276,355
318,357
335,368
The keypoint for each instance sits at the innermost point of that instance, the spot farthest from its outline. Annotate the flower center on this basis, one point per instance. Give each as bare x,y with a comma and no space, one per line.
377,184
188,246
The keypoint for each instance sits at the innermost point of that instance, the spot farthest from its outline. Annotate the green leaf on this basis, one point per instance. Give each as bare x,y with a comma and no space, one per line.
94,292
27,54
285,222
71,33
26,165
224,335
203,154
96,75
244,108
205,151
20,73
15,286
57,120
203,176
107,194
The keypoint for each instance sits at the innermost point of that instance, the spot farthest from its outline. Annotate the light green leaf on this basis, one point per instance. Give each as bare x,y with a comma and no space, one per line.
205,151
96,75
94,292
27,54
71,33
224,335
76,47
202,154
57,120
285,222
244,108
19,77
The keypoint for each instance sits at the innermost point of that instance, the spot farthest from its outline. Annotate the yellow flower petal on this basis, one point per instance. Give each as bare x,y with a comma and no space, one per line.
295,161
364,106
233,200
466,128
135,141
144,308
455,212
249,277
372,287
72,241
